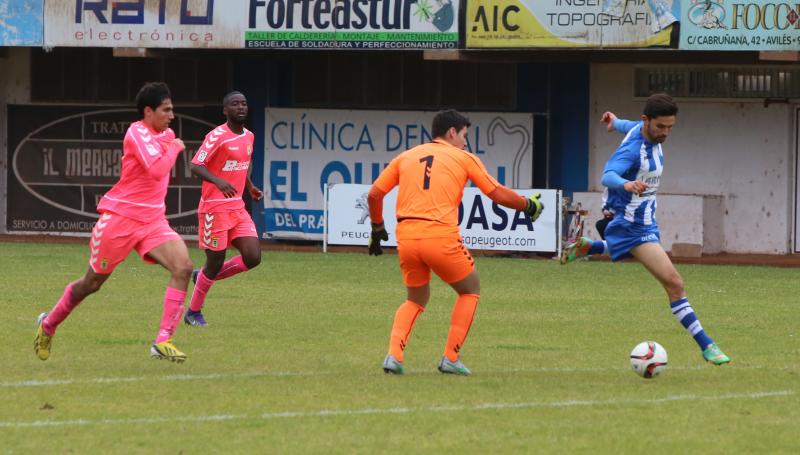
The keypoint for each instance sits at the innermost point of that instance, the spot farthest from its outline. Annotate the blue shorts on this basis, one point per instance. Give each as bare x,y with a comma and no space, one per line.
622,236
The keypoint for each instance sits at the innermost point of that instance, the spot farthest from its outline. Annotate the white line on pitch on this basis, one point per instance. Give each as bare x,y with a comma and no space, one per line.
278,374
367,411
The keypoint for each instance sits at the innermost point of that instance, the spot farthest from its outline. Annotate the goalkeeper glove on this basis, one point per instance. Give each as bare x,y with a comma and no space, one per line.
533,206
378,233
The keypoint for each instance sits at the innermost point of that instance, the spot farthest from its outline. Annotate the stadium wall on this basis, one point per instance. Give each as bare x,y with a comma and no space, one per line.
14,88
738,150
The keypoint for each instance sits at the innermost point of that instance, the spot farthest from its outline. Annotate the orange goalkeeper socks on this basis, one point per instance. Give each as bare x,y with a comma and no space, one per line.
460,322
404,319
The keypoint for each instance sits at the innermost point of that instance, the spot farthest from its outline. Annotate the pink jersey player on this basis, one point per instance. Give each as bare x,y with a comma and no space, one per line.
226,155
223,162
133,218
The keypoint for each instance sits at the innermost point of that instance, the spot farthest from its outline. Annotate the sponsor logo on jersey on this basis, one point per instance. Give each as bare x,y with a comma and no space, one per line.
234,165
153,151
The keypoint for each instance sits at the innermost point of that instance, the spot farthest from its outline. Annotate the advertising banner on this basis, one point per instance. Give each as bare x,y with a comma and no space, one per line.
62,159
484,224
755,25
308,148
569,23
234,24
21,23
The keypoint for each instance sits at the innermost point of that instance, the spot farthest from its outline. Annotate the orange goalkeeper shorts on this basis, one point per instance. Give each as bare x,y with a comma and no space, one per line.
447,257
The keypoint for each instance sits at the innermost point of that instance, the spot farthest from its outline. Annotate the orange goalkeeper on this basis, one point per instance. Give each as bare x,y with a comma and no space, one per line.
431,178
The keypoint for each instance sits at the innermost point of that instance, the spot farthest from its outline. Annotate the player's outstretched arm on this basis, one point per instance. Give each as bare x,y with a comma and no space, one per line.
614,123
224,186
532,205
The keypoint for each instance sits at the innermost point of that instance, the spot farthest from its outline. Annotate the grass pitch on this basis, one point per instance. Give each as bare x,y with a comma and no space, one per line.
291,361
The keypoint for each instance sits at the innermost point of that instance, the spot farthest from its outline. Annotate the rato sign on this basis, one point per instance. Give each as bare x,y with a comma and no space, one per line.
64,158
356,24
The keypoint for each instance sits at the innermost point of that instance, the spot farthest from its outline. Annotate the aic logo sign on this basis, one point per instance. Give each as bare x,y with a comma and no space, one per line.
749,16
132,11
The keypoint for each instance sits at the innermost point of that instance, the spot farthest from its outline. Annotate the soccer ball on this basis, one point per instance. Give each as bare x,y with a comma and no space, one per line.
648,359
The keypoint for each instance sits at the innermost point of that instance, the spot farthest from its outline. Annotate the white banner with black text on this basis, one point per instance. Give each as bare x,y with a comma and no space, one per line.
484,224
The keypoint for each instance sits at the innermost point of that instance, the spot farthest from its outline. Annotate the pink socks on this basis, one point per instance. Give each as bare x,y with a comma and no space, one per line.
173,309
60,311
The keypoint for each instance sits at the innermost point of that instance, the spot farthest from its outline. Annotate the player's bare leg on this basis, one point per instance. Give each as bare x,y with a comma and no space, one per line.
215,269
656,261
73,295
173,256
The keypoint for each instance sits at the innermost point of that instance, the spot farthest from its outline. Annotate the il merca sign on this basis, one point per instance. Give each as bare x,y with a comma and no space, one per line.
62,159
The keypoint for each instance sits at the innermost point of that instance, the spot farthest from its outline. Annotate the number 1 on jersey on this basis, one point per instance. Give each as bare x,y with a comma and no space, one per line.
428,160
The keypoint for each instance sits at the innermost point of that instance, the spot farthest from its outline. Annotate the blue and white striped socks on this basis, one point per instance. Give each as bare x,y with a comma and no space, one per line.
684,313
598,247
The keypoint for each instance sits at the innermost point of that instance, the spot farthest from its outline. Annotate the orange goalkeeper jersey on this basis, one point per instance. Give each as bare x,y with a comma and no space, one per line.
432,177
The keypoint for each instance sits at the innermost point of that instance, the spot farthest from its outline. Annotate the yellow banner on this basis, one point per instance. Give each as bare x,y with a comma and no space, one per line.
563,23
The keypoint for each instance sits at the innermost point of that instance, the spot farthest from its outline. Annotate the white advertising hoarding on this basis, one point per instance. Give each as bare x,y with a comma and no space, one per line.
484,224
255,24
306,149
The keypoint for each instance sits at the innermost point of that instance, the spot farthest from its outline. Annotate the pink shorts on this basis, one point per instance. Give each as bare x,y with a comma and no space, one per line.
114,236
218,229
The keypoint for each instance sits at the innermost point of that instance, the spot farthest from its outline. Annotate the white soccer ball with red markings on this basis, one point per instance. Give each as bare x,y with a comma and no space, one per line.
649,359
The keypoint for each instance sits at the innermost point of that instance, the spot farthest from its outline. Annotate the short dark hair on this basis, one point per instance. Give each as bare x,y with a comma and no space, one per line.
660,105
444,120
151,95
230,95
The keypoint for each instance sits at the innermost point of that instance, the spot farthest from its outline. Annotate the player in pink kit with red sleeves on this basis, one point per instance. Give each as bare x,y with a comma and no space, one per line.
223,162
133,217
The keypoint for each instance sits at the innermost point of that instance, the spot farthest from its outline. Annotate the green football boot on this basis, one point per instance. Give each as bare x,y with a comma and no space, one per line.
715,355
458,368
576,250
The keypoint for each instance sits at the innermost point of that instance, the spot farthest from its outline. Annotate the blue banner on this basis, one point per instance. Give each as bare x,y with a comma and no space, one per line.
21,22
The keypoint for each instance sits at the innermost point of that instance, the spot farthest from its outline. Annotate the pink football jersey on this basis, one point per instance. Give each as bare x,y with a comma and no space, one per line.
147,159
226,155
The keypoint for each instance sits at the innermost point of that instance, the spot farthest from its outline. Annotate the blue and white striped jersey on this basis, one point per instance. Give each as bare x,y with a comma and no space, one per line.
635,159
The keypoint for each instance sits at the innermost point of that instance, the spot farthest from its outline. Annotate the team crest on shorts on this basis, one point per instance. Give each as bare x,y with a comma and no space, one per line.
214,242
104,263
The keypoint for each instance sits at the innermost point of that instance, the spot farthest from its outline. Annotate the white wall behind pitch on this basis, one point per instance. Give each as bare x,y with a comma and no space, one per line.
738,150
